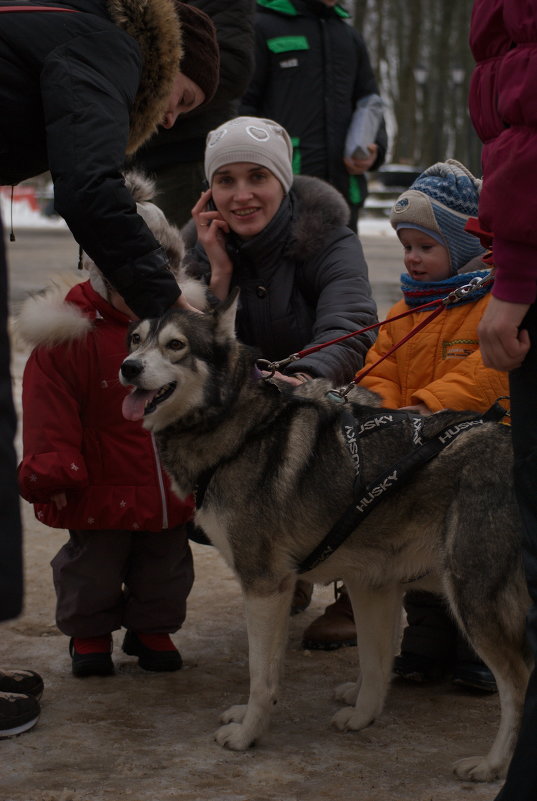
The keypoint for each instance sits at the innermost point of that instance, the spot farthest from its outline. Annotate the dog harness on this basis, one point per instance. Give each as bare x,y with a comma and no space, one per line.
367,496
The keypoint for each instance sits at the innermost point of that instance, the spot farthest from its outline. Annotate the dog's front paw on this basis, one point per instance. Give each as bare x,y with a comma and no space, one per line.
350,719
348,692
477,769
233,736
235,714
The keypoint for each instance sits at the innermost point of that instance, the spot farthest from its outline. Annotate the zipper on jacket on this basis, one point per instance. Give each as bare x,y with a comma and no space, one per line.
160,477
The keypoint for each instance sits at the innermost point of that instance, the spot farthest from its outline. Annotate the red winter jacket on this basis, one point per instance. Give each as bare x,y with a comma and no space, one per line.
503,106
75,438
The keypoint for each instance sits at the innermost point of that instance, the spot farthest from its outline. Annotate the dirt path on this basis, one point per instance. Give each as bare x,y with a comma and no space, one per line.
148,737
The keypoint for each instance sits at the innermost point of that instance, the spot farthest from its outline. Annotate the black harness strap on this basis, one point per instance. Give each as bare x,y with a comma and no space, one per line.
16,8
369,496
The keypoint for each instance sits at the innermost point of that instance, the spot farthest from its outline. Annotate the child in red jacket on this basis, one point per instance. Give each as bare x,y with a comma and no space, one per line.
85,468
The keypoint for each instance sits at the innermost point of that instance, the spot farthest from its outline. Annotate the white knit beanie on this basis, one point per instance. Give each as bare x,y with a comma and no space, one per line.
254,140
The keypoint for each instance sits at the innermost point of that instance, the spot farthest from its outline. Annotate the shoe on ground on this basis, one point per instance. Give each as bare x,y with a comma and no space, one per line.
334,628
91,656
301,596
419,669
475,676
154,651
18,713
25,682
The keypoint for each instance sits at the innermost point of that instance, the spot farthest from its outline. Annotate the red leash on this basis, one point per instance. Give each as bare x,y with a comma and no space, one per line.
443,303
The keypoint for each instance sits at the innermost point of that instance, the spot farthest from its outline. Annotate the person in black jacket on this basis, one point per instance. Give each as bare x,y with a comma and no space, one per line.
311,70
82,85
174,157
19,690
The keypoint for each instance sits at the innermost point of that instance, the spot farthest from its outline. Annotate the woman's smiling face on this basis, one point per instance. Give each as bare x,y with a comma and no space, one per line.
247,196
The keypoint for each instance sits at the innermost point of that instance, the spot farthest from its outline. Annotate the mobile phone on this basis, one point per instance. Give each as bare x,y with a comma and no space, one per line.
210,203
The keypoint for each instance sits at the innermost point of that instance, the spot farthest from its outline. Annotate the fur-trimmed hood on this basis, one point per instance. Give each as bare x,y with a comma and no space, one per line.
46,318
319,209
156,27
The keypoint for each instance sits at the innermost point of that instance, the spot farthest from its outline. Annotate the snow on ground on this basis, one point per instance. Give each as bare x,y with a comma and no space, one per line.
24,216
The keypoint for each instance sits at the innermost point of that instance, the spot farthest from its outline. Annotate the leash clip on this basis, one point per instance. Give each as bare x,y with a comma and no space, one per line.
271,367
466,289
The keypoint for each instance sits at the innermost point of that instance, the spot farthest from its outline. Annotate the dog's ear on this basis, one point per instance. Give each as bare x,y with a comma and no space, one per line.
225,315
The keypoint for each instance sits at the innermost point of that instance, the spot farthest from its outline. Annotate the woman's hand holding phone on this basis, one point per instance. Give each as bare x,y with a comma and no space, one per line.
211,229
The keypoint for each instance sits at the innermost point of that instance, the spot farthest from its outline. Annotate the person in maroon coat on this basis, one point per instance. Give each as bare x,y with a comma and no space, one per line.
87,469
503,106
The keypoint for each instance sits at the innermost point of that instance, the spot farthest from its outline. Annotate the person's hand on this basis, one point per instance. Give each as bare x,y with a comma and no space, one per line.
182,303
359,166
211,229
502,345
60,500
209,224
295,381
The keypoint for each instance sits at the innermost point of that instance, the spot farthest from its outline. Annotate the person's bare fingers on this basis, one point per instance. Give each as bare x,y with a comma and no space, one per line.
182,303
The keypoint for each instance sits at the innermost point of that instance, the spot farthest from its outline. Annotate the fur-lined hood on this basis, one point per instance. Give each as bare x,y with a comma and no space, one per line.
156,27
319,210
46,318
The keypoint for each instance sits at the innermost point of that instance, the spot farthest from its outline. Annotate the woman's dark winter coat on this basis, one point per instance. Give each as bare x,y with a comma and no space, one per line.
303,280
79,89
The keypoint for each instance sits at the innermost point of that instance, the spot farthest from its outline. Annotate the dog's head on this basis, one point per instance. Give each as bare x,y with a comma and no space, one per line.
172,360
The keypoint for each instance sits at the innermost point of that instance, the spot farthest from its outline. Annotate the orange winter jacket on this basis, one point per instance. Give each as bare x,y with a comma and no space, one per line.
440,366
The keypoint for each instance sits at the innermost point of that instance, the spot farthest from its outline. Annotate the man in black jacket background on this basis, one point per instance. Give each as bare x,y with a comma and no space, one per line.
311,69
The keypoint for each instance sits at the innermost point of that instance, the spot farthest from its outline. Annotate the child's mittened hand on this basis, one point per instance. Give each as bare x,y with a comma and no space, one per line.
60,500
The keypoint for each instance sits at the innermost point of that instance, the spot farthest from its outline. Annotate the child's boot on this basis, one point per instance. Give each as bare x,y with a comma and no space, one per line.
91,656
335,628
154,651
470,671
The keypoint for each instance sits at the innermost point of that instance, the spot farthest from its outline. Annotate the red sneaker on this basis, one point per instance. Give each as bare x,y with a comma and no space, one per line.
154,651
91,656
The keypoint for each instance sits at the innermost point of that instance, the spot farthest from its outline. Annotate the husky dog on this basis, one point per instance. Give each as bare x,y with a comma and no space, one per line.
273,474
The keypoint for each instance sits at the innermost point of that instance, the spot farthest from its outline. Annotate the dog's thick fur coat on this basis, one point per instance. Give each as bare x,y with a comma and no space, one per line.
278,475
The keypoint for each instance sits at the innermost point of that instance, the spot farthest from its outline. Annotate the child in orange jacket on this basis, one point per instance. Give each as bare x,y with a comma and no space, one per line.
438,368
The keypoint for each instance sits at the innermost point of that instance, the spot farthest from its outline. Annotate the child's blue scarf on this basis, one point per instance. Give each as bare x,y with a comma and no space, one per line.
416,293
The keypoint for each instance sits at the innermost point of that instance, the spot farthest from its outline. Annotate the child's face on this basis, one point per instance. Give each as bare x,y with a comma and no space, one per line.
425,258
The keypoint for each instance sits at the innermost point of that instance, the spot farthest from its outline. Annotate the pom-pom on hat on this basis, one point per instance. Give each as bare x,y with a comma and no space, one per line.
201,54
254,140
439,203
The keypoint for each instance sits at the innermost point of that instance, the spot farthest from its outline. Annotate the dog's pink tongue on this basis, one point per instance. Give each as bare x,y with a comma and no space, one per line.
134,404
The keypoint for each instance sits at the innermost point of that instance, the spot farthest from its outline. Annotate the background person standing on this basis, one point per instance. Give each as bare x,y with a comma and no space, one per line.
503,107
311,69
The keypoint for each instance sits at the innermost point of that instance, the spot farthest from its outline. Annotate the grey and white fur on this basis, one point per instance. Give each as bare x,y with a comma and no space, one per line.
279,475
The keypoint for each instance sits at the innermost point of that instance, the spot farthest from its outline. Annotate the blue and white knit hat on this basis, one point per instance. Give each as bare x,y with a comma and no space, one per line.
439,203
